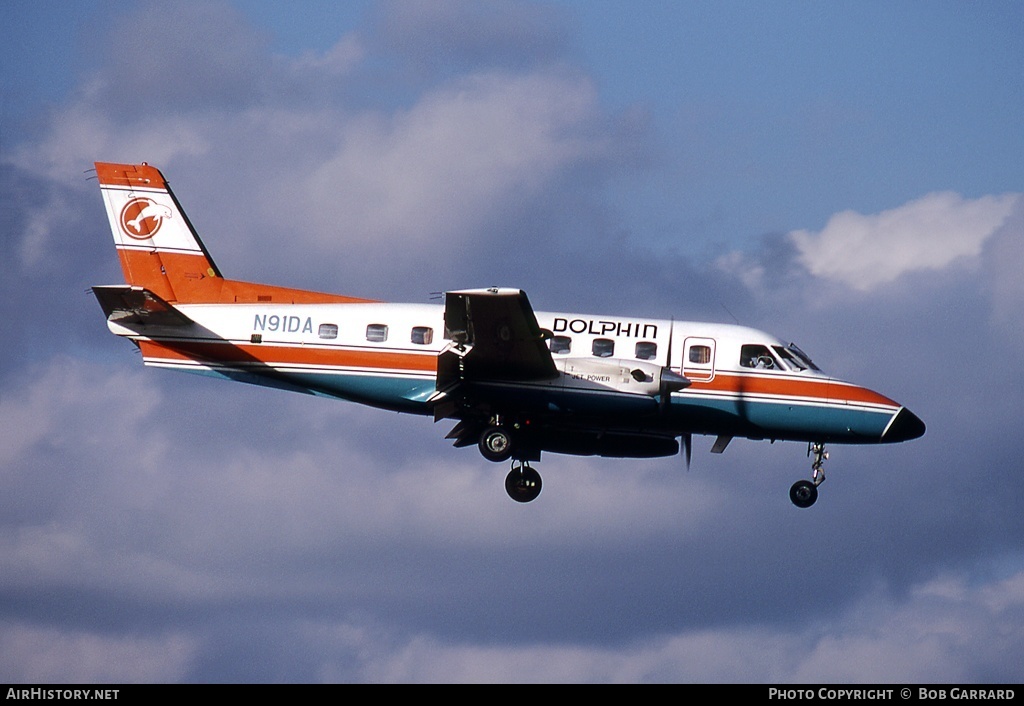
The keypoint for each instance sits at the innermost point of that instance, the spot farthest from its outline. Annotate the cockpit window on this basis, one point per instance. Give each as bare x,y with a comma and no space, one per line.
803,356
757,356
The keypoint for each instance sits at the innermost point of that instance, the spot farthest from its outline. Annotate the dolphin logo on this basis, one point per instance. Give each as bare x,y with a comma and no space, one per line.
141,218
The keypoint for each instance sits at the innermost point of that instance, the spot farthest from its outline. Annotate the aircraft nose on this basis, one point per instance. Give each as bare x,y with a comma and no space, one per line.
905,426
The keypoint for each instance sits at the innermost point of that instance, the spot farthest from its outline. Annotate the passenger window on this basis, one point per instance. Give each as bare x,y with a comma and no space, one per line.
756,356
603,347
328,331
645,350
377,333
422,335
700,355
560,344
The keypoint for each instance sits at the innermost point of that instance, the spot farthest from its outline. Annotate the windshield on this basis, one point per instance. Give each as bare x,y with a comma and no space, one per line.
803,356
792,361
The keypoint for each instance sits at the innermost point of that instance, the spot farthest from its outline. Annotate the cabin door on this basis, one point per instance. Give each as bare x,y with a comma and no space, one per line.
699,359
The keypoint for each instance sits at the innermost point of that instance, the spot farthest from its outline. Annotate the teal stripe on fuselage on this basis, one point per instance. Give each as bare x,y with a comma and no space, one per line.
759,418
741,417
400,394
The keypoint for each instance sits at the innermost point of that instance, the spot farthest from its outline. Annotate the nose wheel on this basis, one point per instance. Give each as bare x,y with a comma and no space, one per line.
804,493
522,483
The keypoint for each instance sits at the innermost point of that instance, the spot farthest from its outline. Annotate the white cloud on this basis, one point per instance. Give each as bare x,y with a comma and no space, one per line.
864,251
81,133
945,629
42,411
1003,265
340,59
109,486
292,180
436,172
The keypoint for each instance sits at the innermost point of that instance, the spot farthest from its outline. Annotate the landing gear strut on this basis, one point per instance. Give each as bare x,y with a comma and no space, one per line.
522,483
497,443
805,492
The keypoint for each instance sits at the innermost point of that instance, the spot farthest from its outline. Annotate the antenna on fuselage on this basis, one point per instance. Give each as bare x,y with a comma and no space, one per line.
730,313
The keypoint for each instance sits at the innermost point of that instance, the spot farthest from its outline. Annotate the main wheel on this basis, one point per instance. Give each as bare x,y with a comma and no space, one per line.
496,444
523,484
803,493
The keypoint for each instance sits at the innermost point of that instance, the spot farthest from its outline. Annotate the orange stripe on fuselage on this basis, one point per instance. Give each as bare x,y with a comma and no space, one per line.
270,355
815,388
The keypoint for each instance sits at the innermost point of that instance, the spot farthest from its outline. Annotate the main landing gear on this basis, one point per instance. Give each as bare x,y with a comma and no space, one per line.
805,492
497,444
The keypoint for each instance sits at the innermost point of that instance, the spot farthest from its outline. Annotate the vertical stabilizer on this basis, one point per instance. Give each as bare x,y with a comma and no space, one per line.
158,247
160,250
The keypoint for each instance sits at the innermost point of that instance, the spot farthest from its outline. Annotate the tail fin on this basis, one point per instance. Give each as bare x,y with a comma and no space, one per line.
158,247
161,252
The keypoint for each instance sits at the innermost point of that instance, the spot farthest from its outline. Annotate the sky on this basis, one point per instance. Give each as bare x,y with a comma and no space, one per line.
843,175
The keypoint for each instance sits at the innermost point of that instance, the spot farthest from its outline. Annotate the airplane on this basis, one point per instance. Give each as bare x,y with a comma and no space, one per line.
515,381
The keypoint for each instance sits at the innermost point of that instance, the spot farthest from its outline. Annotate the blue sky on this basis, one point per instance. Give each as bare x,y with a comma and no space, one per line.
846,175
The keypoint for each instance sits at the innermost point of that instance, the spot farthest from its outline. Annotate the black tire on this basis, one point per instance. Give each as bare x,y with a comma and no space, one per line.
496,444
803,493
523,484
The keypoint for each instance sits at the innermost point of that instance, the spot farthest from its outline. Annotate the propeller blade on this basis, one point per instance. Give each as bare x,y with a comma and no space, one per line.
671,381
671,333
687,448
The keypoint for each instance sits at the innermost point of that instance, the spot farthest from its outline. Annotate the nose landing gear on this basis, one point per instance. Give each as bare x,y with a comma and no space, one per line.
522,483
804,493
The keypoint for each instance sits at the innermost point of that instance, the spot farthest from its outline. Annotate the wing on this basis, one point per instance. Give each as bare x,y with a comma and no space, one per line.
495,338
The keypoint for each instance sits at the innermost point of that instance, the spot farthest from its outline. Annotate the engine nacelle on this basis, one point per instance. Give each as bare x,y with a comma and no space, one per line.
630,376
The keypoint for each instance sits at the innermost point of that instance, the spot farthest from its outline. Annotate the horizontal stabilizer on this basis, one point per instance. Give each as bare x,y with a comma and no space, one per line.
124,304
